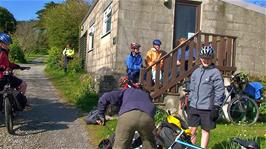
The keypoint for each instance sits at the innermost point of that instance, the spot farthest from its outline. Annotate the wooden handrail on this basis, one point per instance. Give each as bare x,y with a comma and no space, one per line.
225,61
175,49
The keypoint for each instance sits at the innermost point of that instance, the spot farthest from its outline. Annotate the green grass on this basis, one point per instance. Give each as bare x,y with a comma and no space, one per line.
220,137
225,132
76,88
98,133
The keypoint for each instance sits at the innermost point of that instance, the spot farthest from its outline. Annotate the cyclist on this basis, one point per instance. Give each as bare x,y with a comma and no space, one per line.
206,96
136,114
5,64
178,63
134,62
154,54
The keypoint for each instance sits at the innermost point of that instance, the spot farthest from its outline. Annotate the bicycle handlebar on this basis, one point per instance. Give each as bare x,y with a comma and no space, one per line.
8,72
25,68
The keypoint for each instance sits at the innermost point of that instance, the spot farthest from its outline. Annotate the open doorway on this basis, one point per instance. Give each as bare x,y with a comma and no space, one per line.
187,19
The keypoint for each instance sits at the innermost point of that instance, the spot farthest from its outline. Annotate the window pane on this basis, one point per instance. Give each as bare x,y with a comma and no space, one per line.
108,25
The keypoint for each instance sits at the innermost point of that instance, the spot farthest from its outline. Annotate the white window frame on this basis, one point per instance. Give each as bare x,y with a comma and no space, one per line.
91,37
107,18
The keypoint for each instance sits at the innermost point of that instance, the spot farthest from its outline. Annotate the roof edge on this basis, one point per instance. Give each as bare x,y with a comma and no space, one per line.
247,5
89,12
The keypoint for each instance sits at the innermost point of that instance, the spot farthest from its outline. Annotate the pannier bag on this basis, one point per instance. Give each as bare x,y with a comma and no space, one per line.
254,89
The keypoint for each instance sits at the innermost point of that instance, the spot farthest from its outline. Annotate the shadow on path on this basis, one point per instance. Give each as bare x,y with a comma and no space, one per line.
46,115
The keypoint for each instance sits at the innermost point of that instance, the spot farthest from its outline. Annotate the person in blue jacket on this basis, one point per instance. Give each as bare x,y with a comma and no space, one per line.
134,62
179,54
136,114
205,97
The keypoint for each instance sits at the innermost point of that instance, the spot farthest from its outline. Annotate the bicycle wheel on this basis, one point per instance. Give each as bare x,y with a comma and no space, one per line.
243,110
8,116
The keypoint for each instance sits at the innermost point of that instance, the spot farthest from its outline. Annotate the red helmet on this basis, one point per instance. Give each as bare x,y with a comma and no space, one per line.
125,83
134,45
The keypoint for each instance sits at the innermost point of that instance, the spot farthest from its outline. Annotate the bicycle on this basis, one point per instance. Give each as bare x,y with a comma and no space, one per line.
240,109
10,104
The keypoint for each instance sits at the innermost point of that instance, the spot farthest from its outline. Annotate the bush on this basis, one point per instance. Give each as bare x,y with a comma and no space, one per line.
75,65
55,57
86,97
160,115
16,53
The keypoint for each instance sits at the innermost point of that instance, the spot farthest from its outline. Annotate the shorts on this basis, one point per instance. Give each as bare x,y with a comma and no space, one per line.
198,117
14,82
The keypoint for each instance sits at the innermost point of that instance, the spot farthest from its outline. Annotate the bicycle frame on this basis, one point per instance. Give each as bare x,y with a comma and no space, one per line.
182,142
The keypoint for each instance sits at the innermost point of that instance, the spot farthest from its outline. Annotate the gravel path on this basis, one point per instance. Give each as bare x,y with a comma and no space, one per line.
51,123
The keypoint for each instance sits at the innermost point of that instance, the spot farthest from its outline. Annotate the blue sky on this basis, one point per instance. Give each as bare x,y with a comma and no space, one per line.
26,9
261,3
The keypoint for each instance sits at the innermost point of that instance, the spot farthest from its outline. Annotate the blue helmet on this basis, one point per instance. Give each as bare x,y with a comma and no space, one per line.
157,42
5,38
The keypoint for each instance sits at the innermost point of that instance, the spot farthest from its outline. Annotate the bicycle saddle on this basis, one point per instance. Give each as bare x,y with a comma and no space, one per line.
247,144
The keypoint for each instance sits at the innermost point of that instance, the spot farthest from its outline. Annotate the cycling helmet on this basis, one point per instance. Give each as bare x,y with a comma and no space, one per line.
134,45
206,52
157,42
5,38
125,83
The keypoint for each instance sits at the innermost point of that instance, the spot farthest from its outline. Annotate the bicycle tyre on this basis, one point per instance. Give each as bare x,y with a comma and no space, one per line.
8,116
243,110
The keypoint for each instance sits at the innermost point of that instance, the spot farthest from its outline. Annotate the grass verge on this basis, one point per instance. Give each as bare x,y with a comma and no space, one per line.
221,137
76,88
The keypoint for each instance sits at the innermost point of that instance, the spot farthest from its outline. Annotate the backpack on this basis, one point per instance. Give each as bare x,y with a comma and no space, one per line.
107,143
168,131
92,116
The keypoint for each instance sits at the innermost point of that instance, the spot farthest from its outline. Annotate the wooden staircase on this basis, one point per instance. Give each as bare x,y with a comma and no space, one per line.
225,51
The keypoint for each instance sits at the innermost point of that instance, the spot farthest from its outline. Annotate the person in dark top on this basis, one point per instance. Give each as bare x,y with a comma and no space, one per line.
136,114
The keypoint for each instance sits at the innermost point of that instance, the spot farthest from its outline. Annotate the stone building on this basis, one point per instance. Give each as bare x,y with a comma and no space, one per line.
111,25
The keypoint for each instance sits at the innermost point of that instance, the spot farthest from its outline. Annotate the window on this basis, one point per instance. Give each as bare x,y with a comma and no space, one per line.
107,16
91,37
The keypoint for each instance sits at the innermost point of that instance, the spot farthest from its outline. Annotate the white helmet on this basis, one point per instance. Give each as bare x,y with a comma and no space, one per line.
206,52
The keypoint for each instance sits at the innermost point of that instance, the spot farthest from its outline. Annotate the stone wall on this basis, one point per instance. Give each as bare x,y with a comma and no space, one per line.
100,62
102,58
248,25
143,21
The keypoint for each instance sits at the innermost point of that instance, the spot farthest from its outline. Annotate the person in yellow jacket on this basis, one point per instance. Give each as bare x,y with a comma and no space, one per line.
154,54
68,54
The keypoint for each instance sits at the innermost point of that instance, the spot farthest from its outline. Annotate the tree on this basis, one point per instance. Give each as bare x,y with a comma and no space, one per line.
62,23
31,39
41,13
7,21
